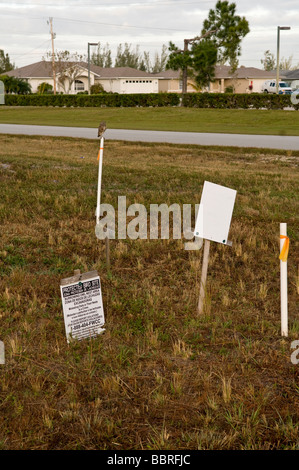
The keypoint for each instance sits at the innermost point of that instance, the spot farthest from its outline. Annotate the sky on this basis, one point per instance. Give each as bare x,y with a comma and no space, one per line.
25,30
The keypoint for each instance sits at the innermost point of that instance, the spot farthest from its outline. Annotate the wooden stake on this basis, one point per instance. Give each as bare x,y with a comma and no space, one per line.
2,353
107,246
204,272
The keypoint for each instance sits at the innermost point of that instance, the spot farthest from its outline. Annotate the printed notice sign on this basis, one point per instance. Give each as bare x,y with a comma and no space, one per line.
82,306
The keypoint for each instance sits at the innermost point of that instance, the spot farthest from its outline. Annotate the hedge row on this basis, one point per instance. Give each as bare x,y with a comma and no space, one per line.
193,100
98,100
238,100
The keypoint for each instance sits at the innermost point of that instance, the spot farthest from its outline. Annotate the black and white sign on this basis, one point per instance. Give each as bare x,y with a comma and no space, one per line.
82,306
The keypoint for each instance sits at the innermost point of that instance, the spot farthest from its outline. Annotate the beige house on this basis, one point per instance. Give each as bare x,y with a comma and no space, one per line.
122,80
244,80
170,81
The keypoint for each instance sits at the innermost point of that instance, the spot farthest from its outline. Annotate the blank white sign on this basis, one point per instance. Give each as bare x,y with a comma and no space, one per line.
215,213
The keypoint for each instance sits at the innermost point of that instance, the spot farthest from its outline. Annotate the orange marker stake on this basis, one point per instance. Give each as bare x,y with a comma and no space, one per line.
285,248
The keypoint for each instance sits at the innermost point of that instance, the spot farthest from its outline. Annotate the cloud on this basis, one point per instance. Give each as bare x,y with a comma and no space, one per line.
150,23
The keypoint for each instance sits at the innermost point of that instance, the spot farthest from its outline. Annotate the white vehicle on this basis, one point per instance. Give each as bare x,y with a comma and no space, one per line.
270,87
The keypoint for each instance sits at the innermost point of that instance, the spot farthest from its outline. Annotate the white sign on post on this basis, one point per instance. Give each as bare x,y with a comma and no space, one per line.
215,213
82,305
213,224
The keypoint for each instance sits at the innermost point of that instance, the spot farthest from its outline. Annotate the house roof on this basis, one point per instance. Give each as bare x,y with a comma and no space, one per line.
169,74
43,69
292,74
224,71
119,72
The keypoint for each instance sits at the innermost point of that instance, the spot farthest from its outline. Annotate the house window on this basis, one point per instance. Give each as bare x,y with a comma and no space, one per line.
79,85
181,85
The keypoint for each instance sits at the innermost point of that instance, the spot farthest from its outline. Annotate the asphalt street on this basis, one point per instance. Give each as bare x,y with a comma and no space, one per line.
194,138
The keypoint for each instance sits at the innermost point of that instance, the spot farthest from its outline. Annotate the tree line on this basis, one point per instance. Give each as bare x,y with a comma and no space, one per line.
128,56
269,62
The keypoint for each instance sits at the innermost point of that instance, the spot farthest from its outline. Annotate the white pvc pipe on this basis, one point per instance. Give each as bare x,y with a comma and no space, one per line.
99,180
283,285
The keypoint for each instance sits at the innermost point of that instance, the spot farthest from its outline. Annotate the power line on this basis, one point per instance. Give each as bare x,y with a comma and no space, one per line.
155,4
118,25
31,51
102,24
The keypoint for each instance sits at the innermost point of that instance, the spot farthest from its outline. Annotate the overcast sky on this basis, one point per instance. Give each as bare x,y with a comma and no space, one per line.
25,32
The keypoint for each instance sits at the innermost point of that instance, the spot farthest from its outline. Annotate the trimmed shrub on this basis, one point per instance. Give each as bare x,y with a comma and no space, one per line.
96,100
237,101
191,100
44,88
96,89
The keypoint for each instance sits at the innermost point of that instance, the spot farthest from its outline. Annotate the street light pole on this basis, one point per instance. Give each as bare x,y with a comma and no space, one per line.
53,54
88,61
277,59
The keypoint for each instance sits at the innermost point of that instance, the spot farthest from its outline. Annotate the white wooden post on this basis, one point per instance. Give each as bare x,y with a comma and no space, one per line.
283,283
204,271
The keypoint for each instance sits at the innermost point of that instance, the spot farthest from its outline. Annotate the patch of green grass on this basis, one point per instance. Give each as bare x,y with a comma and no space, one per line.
231,121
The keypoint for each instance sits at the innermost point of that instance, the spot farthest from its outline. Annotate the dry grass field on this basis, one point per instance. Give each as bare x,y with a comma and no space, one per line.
160,376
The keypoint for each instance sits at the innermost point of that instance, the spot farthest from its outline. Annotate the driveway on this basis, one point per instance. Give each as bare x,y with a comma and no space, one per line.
194,138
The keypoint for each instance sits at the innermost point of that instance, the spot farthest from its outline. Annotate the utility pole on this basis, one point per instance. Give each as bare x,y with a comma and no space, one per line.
53,55
186,44
279,28
185,70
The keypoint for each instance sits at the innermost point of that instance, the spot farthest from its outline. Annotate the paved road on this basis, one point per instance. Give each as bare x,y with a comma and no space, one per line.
196,138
